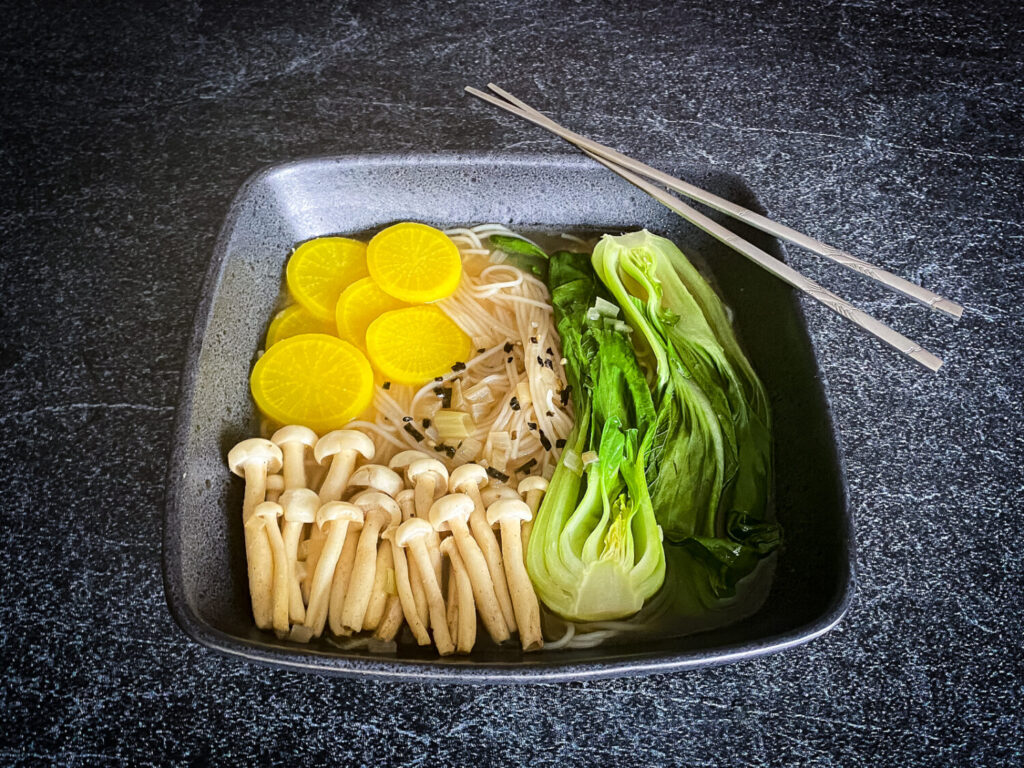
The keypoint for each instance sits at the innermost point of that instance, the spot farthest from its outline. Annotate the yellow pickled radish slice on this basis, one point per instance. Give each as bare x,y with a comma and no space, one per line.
413,345
313,379
414,262
358,306
293,320
321,269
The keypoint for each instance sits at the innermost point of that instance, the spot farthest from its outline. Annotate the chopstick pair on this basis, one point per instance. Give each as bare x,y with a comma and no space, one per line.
634,171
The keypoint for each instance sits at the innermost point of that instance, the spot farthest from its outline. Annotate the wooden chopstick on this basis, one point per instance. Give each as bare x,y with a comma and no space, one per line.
756,220
752,252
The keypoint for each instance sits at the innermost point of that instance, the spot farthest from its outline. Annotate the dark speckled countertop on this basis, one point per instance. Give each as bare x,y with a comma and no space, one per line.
892,129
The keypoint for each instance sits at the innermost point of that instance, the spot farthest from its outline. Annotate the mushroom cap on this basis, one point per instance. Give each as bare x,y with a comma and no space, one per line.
341,440
371,501
532,483
266,511
403,459
466,474
300,505
495,491
254,450
450,507
447,545
378,477
508,509
339,510
412,529
428,466
294,433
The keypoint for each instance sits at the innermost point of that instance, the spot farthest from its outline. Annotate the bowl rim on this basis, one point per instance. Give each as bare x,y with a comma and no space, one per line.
460,670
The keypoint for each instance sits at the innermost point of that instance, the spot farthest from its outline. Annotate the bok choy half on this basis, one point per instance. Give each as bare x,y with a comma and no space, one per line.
595,549
680,427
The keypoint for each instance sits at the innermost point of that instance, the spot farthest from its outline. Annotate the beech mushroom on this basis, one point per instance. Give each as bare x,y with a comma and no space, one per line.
466,616
384,567
452,513
378,477
265,515
407,505
510,514
253,459
275,485
401,460
429,478
300,507
468,479
532,489
380,511
293,441
341,447
404,587
413,535
334,519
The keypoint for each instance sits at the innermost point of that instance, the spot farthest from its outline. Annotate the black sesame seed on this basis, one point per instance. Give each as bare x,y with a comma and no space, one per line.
544,441
549,365
531,424
515,433
414,433
533,339
514,403
407,418
508,347
426,423
459,367
565,394
550,351
549,414
439,378
386,385
560,442
446,397
509,360
540,360
481,351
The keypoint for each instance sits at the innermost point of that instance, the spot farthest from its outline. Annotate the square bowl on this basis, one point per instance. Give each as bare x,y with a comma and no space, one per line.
203,552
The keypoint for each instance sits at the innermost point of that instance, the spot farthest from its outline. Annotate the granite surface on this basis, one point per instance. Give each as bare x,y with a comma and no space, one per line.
892,129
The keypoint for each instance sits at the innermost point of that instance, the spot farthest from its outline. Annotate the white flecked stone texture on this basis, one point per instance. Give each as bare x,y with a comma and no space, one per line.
890,129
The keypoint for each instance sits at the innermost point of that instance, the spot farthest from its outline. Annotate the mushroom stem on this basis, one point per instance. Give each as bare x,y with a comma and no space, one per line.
282,591
426,485
296,605
534,496
363,572
378,592
484,536
339,586
480,578
338,474
435,602
258,555
392,621
523,596
407,503
406,594
320,593
464,590
453,607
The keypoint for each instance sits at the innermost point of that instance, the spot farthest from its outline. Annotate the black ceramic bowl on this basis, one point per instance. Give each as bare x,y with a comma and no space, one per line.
204,558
